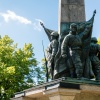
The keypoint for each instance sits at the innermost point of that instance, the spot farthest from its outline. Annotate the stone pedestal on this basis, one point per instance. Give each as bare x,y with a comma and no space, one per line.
68,89
62,94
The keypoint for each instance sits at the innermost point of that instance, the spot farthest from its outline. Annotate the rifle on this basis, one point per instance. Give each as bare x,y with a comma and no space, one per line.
45,63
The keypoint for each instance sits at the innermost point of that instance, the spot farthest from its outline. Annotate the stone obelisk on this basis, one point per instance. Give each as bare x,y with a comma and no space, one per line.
71,11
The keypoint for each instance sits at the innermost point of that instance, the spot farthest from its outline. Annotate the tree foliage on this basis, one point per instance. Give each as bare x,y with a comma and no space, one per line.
99,40
18,68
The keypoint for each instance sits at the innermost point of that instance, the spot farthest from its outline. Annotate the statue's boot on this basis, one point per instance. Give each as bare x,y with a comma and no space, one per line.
79,76
98,73
72,74
98,77
79,73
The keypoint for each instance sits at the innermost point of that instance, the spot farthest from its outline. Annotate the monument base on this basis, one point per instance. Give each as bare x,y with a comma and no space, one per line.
62,89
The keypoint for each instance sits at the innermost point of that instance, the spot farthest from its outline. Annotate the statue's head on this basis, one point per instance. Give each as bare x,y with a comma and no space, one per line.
73,28
94,40
54,35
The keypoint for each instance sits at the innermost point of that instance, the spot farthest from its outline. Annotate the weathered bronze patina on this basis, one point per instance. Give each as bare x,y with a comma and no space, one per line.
68,54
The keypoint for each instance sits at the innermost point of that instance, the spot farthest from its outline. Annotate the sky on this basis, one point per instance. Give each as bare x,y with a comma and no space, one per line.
19,19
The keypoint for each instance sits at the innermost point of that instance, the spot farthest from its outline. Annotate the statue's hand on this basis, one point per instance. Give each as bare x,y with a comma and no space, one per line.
89,26
94,12
88,23
41,24
64,55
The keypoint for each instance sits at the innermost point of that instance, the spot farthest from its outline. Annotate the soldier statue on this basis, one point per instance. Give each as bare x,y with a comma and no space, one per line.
68,52
93,54
74,42
51,52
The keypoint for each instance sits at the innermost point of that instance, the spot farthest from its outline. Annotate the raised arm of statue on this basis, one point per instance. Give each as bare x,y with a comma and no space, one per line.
86,31
47,31
81,26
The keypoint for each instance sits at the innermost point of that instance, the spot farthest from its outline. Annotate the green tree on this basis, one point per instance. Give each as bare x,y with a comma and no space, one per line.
99,40
18,68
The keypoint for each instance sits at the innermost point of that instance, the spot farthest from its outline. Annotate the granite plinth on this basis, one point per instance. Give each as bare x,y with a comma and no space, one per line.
62,89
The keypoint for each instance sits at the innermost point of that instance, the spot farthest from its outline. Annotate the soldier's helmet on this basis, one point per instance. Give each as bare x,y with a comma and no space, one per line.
94,39
55,34
73,25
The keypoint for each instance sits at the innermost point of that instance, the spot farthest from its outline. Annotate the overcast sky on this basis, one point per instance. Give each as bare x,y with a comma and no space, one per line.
19,19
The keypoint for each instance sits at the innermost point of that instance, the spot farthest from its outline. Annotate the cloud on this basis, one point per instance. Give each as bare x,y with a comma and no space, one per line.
10,15
36,25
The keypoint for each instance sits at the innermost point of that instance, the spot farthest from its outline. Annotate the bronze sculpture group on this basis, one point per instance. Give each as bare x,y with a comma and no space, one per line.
73,53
